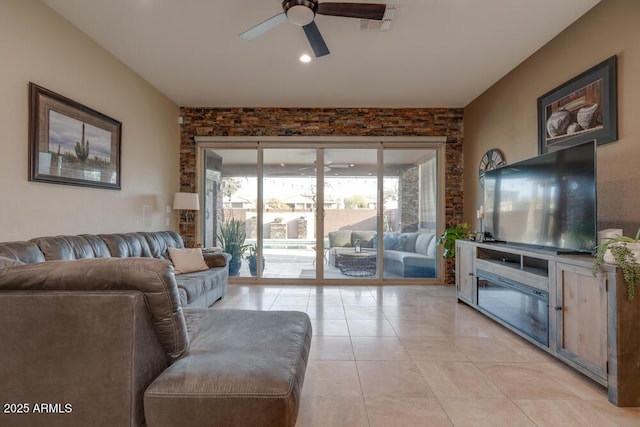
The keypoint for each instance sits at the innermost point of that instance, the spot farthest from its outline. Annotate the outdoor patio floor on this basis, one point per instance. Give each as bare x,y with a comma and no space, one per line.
297,263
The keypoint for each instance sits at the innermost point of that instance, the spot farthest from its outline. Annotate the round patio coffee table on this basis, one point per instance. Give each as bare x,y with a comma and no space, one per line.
357,264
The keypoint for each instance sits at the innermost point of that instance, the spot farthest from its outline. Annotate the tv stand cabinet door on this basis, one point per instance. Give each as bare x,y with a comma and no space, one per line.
581,317
465,277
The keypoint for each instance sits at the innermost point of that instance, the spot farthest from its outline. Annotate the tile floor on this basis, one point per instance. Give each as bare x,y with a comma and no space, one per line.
412,356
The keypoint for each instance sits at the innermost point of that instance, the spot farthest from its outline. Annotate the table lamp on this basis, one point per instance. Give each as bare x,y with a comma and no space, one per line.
186,202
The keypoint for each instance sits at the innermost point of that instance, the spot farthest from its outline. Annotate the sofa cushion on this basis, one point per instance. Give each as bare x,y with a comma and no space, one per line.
400,243
160,241
8,262
243,368
100,249
365,238
71,247
187,260
409,258
422,243
389,240
410,242
339,238
192,286
431,251
127,245
27,252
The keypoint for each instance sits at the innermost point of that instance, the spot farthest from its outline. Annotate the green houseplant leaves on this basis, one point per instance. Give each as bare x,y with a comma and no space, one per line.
449,237
624,257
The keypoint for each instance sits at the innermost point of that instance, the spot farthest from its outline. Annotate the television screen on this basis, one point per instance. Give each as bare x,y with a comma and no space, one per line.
548,201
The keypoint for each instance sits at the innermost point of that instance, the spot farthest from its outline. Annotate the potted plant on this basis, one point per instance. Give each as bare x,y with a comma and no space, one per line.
252,260
449,237
625,252
232,235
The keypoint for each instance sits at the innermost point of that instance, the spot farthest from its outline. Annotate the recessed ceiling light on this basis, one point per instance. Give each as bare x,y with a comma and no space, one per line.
305,58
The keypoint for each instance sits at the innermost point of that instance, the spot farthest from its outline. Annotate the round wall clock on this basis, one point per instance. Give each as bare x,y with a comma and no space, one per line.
492,159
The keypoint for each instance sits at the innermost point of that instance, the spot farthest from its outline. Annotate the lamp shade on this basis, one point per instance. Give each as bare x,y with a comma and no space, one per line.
186,201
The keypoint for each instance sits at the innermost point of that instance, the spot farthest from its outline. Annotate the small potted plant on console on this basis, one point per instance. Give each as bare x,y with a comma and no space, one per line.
623,251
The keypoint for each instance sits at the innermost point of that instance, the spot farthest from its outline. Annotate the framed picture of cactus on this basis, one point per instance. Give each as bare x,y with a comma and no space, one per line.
70,143
580,110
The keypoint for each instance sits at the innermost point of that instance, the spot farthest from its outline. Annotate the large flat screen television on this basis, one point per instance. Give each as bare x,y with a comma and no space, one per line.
547,201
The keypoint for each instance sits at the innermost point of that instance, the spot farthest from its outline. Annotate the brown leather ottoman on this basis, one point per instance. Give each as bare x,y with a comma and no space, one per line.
243,368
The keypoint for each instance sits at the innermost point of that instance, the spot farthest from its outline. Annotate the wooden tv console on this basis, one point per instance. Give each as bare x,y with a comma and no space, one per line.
592,325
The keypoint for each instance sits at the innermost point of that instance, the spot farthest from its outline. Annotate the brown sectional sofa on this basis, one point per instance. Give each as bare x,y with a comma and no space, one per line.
198,289
106,341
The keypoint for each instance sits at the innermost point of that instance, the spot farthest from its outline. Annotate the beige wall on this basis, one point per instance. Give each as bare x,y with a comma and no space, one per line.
38,45
505,116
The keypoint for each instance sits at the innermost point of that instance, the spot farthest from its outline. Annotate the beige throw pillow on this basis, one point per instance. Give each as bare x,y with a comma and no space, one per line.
187,260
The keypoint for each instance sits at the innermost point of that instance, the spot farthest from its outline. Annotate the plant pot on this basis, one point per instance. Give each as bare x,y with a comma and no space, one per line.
635,248
253,265
234,266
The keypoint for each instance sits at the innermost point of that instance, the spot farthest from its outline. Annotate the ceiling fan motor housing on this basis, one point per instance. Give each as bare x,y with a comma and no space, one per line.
300,12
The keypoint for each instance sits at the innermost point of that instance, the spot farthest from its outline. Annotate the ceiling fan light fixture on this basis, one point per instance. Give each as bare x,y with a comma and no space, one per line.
305,58
300,15
300,12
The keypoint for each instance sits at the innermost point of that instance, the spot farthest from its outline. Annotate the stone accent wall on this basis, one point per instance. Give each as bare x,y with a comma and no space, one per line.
277,231
329,122
409,199
302,228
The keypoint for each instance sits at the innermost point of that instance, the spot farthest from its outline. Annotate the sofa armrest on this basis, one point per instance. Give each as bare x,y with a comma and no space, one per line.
92,352
153,277
216,259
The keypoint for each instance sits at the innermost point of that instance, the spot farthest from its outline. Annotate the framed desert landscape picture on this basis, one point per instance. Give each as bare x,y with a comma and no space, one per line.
70,143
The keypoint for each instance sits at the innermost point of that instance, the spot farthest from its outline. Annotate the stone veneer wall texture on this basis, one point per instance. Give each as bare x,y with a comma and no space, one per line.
329,122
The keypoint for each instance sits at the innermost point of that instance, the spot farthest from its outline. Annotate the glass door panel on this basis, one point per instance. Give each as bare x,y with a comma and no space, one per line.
410,194
230,204
289,212
350,213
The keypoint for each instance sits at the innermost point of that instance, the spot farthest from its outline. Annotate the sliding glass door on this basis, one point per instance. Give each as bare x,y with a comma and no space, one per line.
289,213
331,212
351,213
230,205
410,213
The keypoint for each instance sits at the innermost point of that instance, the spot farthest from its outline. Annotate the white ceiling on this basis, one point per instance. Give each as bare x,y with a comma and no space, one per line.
439,53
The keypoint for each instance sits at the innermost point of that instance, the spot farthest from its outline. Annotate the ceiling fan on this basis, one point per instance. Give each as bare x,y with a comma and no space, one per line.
329,166
303,12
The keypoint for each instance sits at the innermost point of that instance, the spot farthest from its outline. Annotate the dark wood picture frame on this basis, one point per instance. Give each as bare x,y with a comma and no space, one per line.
70,143
582,109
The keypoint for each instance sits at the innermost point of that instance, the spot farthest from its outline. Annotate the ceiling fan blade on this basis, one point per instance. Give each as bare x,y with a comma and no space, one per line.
315,39
353,10
263,27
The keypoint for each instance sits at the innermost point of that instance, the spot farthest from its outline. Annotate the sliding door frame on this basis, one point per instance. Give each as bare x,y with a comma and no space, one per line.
321,143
